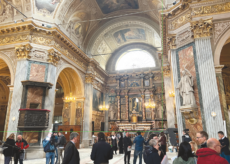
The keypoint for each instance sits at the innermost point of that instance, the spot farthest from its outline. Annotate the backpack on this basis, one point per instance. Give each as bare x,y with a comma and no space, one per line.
48,147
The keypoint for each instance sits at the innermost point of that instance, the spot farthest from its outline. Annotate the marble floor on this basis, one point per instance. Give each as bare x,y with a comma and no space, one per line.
85,158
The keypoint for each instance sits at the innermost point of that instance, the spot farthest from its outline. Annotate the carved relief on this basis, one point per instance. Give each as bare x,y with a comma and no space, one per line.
180,21
14,39
184,38
41,40
202,28
53,57
219,28
172,41
5,11
89,79
23,51
166,70
39,55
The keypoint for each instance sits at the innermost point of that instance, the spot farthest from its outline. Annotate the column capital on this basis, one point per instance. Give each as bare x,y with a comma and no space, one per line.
171,40
166,71
218,68
23,51
201,28
89,78
53,57
142,96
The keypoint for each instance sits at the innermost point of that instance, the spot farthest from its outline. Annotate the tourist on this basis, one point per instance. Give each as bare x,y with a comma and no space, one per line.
151,155
139,141
114,142
120,143
161,152
127,147
162,141
225,153
49,148
211,154
71,154
19,154
60,145
9,151
202,138
102,151
185,155
186,137
56,150
193,146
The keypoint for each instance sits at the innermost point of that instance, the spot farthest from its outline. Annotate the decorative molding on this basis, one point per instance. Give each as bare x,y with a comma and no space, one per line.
219,68
23,51
184,38
172,41
202,28
210,10
89,78
53,57
14,39
39,55
180,21
166,70
219,29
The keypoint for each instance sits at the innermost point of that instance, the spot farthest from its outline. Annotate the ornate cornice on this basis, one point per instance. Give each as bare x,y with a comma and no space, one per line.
89,78
53,57
186,17
172,41
202,28
23,51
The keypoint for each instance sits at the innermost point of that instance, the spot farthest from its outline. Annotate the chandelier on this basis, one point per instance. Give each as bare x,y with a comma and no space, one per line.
150,104
104,107
69,98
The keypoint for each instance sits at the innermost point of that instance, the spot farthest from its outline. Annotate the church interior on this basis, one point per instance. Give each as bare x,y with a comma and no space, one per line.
107,65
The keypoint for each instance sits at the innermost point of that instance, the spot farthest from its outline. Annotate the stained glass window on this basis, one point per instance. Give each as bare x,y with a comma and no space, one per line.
135,58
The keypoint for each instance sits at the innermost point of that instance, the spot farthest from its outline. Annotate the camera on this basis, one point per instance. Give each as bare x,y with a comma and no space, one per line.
52,140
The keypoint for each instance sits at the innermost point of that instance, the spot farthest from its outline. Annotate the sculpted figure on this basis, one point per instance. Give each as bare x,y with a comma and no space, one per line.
186,88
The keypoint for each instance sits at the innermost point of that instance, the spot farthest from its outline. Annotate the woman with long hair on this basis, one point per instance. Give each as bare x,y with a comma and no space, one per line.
185,155
114,142
9,152
120,143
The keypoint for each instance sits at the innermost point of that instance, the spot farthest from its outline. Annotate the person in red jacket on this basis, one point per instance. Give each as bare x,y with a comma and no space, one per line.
22,145
211,154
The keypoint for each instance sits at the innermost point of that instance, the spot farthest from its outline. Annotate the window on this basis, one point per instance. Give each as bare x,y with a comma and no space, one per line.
135,58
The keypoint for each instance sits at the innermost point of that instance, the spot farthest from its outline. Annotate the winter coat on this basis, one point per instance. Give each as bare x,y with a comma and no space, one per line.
209,156
179,160
139,141
21,145
225,142
127,142
186,138
71,154
151,155
162,140
51,147
10,150
101,152
204,145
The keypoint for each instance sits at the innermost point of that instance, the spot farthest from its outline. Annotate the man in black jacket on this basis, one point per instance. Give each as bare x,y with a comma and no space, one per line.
102,151
60,146
71,155
202,138
151,155
127,145
225,153
186,137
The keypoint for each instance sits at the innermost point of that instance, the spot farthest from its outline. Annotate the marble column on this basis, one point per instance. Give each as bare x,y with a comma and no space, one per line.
118,108
152,109
169,101
5,135
143,107
88,108
177,94
127,107
209,90
218,70
20,75
107,112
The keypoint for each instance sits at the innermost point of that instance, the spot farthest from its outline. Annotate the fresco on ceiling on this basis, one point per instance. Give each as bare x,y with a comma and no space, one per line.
78,29
97,99
49,5
129,34
108,6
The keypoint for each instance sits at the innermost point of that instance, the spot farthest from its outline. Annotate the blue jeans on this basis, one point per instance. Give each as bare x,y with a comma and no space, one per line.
7,159
50,156
136,154
227,157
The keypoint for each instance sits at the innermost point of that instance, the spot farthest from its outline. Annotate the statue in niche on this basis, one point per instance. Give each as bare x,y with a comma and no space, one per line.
186,89
113,113
159,111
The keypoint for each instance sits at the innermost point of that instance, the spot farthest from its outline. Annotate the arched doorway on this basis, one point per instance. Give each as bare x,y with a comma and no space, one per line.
69,83
5,80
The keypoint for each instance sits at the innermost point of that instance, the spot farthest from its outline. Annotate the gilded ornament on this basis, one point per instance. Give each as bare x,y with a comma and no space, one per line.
166,70
202,28
180,21
53,57
23,51
89,79
14,39
172,41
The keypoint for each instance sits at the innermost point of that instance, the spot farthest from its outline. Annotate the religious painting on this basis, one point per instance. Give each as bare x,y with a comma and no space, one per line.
123,116
97,99
129,34
135,106
148,114
49,5
146,83
66,114
108,6
79,110
123,108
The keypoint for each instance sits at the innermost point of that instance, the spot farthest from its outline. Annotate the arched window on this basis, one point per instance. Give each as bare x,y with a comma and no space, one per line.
135,58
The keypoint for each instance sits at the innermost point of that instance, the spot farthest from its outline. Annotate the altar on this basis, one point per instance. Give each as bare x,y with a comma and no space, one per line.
142,126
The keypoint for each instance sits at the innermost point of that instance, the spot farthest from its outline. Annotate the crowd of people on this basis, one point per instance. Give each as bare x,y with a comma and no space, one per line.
152,150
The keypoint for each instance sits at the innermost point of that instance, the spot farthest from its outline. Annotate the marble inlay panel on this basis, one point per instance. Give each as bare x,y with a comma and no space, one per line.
34,95
37,72
186,60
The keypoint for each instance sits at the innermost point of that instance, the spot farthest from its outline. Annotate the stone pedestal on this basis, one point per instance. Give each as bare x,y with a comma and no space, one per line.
190,113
